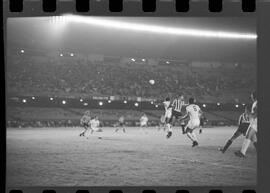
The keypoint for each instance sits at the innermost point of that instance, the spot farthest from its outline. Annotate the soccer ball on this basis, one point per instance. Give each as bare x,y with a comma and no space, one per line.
152,81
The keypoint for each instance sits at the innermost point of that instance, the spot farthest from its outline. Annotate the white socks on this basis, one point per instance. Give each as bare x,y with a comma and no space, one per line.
245,146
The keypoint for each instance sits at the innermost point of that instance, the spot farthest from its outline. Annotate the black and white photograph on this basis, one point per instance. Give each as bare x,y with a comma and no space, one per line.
131,101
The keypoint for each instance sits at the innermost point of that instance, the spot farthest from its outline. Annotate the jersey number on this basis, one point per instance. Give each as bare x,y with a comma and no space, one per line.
195,109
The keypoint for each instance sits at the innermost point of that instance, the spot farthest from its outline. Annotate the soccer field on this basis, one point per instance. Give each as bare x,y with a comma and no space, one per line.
59,157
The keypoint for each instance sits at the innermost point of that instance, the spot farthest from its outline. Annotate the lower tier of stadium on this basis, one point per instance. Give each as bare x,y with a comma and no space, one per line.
42,116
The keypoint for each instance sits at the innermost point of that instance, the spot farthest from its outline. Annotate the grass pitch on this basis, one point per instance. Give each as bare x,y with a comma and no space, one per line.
59,157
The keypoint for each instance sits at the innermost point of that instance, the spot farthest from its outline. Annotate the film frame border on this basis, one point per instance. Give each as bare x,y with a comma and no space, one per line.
198,9
82,6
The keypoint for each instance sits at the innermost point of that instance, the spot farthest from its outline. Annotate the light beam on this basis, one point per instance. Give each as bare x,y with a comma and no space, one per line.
139,27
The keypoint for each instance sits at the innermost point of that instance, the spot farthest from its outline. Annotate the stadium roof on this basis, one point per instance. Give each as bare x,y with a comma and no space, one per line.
140,36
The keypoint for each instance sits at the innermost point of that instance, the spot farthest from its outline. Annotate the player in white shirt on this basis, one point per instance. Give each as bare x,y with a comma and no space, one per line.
143,122
251,135
168,116
194,113
95,126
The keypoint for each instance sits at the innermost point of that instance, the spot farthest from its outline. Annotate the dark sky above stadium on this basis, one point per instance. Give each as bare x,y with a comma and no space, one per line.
58,33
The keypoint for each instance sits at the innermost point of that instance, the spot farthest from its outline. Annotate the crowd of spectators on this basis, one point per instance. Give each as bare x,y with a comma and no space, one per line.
76,77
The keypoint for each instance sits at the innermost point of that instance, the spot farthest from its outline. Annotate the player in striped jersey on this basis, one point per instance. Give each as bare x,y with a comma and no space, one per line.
251,135
177,107
85,121
243,123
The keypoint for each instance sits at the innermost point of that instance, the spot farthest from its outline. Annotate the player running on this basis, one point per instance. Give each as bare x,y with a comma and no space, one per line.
121,123
85,120
251,134
95,126
243,123
194,112
143,122
168,116
177,106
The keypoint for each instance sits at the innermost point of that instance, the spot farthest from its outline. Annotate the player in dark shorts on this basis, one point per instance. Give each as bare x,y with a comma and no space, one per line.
85,120
242,129
121,123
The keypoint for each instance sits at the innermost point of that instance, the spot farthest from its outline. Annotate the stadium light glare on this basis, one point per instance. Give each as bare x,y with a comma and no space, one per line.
158,29
24,101
100,103
51,98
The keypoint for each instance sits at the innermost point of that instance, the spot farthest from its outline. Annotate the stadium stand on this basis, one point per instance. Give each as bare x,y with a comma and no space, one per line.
39,117
75,77
34,73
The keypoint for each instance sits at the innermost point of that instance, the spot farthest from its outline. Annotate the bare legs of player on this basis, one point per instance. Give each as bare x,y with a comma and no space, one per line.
83,132
251,136
230,141
169,130
192,137
123,129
